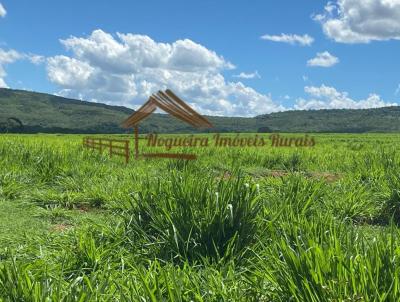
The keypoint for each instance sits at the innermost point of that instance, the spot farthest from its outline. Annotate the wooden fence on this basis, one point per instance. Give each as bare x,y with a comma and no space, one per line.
118,147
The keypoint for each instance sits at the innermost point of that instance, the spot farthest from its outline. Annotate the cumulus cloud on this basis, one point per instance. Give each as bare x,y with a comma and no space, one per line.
7,57
136,52
355,21
304,40
323,59
36,59
3,11
251,75
11,56
126,68
325,97
69,72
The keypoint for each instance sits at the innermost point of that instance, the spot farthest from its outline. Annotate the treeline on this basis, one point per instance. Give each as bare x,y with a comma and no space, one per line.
32,112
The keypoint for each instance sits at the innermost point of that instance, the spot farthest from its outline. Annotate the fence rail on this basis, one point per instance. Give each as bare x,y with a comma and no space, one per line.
118,147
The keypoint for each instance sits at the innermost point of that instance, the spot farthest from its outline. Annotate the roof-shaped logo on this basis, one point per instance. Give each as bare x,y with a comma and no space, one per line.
172,104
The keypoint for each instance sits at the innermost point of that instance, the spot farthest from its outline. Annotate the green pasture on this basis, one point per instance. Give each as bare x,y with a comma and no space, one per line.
238,224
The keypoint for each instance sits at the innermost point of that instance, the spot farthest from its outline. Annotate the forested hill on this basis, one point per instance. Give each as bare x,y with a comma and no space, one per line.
32,112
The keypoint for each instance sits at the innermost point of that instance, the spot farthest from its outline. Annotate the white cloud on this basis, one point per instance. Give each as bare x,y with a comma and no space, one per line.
323,59
36,59
251,75
2,83
304,40
325,97
69,72
11,56
135,52
7,57
356,21
3,11
127,68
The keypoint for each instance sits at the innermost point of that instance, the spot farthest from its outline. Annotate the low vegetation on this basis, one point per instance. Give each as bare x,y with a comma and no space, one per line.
238,224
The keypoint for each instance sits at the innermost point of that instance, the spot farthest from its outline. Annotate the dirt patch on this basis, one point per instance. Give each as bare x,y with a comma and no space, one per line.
84,207
226,176
277,173
61,227
327,176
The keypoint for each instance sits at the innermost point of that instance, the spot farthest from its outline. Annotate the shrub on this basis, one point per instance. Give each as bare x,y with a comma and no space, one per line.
194,217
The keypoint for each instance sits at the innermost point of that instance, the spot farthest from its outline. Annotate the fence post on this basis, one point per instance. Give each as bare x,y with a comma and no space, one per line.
136,142
126,151
90,142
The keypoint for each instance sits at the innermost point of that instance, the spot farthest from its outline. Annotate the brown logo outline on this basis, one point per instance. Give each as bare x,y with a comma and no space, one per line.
172,104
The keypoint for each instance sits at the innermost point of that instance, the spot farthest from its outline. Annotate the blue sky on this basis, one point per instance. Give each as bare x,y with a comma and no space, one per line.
314,54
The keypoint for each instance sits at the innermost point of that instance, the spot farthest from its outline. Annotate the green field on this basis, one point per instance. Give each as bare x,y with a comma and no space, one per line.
237,224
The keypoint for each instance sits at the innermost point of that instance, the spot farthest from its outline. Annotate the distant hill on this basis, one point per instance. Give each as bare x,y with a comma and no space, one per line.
386,119
32,112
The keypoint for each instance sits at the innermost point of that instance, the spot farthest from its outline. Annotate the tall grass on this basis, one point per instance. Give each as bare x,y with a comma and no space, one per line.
202,230
194,218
